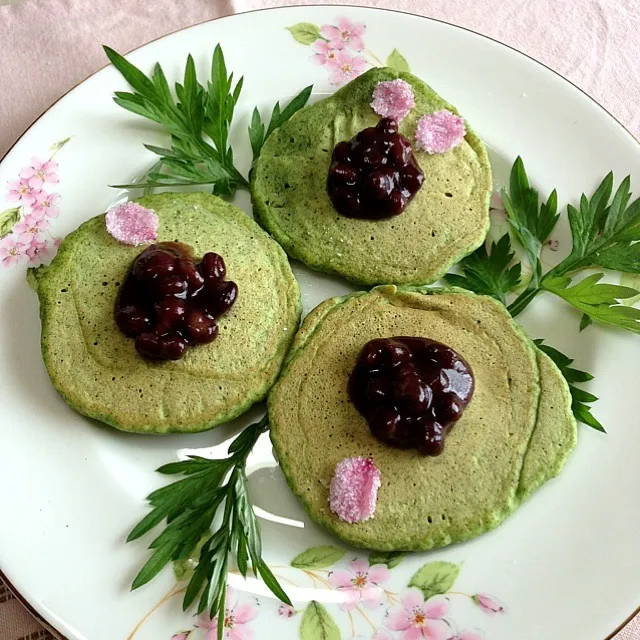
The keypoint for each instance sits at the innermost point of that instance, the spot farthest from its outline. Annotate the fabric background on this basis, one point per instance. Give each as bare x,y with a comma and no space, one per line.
49,46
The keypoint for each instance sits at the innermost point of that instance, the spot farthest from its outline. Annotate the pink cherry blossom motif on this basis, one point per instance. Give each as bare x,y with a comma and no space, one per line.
439,132
12,251
381,634
489,604
40,172
31,228
236,620
38,250
469,634
418,619
345,67
360,583
495,202
130,223
286,611
324,53
346,34
183,635
353,492
20,191
393,99
45,204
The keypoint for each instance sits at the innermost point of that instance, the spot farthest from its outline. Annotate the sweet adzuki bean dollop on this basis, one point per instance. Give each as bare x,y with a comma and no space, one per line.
411,391
168,302
374,175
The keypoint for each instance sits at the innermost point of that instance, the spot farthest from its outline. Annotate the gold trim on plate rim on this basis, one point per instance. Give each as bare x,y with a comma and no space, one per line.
25,603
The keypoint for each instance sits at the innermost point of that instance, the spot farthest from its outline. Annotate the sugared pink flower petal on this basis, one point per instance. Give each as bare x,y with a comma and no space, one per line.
440,131
354,489
393,99
130,223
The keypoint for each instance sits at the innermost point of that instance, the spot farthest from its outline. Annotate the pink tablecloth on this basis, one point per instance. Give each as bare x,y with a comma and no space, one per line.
48,46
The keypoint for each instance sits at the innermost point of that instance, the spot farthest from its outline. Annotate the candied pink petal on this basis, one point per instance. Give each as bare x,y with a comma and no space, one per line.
393,99
132,224
436,607
440,131
354,489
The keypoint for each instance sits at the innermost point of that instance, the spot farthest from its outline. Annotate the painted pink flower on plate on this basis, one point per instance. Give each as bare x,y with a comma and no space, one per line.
236,620
495,203
12,251
439,132
20,191
360,583
45,204
469,634
346,34
345,67
183,635
420,620
31,227
354,489
381,634
393,99
38,250
324,53
40,172
130,223
489,604
286,611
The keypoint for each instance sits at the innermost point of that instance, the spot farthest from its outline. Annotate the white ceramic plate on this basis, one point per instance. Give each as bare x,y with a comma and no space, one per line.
566,565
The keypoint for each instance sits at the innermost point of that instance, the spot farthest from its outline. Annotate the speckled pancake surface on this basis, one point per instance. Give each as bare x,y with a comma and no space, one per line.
447,219
424,502
97,369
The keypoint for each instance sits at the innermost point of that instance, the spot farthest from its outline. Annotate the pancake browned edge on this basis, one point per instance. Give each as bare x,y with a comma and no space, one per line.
503,447
97,369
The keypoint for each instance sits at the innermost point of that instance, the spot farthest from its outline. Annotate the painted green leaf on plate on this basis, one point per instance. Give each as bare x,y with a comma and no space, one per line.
435,578
317,624
317,557
397,61
305,32
7,219
390,558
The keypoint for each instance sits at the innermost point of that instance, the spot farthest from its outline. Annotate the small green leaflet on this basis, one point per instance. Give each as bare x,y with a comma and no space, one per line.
198,122
397,61
58,145
8,218
489,273
318,557
579,397
631,280
435,578
391,558
257,132
599,302
305,32
317,624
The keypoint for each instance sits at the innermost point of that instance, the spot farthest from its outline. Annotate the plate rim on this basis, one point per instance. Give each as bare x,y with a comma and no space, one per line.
22,599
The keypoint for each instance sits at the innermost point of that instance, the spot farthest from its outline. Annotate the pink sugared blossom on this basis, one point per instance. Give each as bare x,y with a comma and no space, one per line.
346,34
236,620
353,492
31,227
45,204
345,67
360,583
420,620
489,604
393,99
20,191
440,131
324,53
12,251
40,172
131,223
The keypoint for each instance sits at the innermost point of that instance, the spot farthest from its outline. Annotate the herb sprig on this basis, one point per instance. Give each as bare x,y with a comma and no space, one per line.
189,506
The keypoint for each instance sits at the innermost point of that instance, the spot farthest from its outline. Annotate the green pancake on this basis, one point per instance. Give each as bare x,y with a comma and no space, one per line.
424,502
447,219
97,369
556,432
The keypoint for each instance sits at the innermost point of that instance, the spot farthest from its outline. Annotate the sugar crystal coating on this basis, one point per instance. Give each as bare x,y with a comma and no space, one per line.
131,223
393,99
354,489
439,132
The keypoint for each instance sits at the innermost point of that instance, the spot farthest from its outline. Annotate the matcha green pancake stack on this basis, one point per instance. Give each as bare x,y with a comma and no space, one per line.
514,435
96,367
446,220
